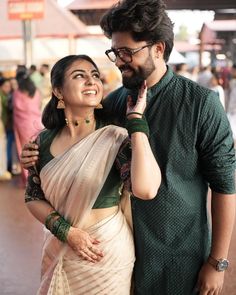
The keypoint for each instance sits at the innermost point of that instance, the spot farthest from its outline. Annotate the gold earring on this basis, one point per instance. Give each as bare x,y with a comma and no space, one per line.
60,104
99,106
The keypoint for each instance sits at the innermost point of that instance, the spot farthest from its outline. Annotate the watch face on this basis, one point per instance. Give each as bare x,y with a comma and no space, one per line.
222,264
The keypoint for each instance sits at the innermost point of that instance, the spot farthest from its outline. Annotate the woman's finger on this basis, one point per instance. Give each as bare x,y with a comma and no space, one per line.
96,251
143,89
86,256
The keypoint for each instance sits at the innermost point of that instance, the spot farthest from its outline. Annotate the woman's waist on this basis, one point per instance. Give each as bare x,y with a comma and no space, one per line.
98,215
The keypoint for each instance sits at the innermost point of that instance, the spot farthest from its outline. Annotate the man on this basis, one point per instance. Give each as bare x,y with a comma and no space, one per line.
191,139
232,101
45,85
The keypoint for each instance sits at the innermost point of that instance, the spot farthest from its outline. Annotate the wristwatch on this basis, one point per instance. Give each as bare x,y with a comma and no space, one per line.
219,264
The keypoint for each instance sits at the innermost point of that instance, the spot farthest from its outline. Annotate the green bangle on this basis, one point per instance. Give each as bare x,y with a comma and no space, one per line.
49,219
137,125
134,113
60,229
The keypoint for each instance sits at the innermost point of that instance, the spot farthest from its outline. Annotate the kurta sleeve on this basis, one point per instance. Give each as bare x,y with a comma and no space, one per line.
216,147
33,190
123,163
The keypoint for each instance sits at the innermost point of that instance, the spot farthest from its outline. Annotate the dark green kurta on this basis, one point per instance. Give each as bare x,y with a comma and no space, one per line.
191,140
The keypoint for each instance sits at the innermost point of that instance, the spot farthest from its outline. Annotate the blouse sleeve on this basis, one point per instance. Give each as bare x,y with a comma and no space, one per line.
123,163
34,191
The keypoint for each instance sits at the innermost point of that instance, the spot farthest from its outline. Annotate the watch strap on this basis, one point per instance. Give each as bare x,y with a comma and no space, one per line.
212,261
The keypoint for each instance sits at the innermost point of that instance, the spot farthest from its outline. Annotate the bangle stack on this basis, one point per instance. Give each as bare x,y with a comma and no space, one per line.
134,113
57,225
137,125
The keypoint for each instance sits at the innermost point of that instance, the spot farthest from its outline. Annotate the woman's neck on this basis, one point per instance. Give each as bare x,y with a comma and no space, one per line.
79,128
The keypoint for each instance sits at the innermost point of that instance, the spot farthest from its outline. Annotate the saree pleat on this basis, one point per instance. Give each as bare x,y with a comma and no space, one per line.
71,183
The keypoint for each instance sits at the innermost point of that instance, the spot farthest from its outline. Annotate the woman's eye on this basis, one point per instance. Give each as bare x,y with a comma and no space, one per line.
96,76
79,76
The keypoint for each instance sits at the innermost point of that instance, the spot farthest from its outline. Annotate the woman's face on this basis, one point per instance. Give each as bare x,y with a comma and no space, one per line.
82,85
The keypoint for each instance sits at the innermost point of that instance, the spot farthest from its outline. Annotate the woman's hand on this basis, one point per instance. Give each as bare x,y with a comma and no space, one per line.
84,245
140,105
29,155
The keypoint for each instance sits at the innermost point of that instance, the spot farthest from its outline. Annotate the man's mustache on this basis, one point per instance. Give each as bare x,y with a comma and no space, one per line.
126,67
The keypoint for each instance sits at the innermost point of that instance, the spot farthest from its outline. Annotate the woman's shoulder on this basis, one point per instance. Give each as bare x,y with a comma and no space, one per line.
46,136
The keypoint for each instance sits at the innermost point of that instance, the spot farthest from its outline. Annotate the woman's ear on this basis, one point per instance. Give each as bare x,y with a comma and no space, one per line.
57,93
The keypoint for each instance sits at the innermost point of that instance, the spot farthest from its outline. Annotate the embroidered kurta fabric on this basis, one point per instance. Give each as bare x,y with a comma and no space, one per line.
191,139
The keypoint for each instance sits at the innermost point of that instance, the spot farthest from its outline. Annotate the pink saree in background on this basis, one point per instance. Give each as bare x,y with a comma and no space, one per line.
71,183
27,119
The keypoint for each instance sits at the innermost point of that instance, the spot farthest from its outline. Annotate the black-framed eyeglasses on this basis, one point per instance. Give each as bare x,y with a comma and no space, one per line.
124,53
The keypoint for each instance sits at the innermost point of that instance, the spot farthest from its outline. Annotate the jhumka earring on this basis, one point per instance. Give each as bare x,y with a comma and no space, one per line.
60,104
99,106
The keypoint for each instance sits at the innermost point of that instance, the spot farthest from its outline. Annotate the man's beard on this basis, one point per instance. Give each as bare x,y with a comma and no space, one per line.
142,73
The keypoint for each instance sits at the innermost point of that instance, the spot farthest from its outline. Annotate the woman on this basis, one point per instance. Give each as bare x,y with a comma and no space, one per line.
89,246
215,85
4,92
26,114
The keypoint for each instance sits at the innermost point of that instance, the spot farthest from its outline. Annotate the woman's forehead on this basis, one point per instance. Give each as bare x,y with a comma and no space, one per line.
82,64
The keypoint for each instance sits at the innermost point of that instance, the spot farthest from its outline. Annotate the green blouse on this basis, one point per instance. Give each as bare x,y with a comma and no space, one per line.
110,193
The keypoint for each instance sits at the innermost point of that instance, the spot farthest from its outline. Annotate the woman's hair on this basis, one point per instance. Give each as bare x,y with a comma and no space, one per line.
54,118
146,20
25,84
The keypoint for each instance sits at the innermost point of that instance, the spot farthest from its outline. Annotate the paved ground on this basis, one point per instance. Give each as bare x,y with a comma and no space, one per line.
21,241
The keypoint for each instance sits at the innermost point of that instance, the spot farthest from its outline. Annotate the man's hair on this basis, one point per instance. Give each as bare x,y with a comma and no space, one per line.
146,20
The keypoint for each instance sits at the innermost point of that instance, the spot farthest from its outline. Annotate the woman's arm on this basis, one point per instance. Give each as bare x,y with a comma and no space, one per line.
145,172
80,241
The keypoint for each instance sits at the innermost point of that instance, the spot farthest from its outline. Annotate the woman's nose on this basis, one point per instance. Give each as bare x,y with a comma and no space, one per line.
90,80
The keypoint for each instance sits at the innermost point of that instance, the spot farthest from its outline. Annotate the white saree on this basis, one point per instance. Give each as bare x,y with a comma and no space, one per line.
71,183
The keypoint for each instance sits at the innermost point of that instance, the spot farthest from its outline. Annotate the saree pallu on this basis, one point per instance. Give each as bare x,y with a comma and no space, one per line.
79,174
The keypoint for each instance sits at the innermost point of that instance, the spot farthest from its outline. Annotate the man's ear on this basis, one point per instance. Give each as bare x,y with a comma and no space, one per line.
159,49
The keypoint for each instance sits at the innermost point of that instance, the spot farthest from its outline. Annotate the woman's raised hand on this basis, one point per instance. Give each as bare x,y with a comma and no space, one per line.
84,245
137,110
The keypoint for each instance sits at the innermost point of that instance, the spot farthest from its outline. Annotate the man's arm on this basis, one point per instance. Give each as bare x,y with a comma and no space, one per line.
223,216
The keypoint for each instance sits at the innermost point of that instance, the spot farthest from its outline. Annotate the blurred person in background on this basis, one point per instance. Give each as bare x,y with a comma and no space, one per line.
21,71
231,110
45,85
214,84
35,76
26,114
204,76
13,164
182,69
4,91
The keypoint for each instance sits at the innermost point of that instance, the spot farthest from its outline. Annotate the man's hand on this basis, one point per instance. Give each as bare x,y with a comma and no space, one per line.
29,155
210,281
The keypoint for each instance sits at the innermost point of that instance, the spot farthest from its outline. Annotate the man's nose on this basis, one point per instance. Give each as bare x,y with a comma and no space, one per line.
119,62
